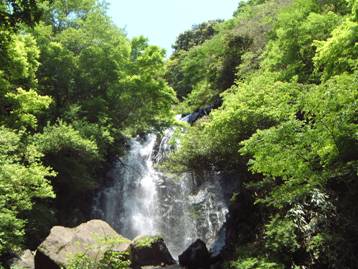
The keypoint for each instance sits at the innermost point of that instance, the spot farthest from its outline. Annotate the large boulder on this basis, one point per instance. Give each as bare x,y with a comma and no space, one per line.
92,238
196,256
150,250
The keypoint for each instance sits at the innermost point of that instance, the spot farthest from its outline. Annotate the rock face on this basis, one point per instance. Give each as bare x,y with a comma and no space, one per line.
92,238
196,256
25,261
150,250
201,112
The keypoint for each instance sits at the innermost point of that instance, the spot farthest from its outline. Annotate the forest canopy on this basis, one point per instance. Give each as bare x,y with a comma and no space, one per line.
72,86
286,72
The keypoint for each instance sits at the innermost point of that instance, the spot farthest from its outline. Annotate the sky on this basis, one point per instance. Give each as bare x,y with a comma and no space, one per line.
163,20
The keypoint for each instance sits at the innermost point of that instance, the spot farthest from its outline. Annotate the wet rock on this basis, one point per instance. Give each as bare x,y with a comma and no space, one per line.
92,238
196,256
25,261
201,112
150,251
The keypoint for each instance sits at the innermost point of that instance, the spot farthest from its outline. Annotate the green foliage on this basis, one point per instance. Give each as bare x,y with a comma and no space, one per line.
338,53
101,135
304,154
63,14
196,36
64,137
146,241
102,255
287,127
20,60
115,260
261,102
89,63
111,260
103,86
77,160
280,235
200,95
19,107
215,62
291,50
318,246
22,178
146,97
28,104
78,83
248,257
286,71
254,263
82,261
14,12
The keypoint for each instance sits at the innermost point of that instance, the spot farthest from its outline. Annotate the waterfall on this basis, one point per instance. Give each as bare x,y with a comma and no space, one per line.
143,200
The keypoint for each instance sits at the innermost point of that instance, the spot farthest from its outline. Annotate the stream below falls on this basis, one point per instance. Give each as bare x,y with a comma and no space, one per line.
145,201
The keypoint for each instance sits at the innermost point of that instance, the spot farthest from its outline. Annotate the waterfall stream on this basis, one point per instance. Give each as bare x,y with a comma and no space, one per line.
145,201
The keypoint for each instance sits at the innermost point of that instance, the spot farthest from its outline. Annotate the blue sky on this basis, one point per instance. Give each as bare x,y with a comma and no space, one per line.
163,20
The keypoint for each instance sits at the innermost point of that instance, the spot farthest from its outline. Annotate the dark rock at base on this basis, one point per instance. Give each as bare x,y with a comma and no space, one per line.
150,250
217,265
196,256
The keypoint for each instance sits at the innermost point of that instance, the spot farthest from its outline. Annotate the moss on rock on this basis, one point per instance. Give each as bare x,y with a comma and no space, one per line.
146,241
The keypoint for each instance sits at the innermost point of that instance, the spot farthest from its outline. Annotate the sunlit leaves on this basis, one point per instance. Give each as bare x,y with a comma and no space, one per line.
338,53
291,50
61,137
20,60
146,97
301,153
258,103
22,178
27,105
292,119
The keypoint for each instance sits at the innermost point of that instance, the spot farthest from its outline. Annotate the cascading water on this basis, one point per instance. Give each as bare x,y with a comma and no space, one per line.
143,200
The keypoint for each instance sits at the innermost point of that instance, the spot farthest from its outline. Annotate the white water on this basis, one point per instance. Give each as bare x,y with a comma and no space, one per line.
143,200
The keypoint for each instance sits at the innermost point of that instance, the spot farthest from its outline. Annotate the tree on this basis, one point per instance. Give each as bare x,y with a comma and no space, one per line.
338,54
14,12
196,36
22,179
292,50
287,127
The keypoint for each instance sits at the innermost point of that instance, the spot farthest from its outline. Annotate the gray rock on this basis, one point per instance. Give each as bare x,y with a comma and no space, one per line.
92,238
25,261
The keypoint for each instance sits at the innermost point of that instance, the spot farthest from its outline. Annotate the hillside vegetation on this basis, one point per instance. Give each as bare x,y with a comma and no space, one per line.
286,71
72,86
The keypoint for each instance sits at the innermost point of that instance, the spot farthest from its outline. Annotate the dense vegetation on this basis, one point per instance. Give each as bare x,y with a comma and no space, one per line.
73,86
286,71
